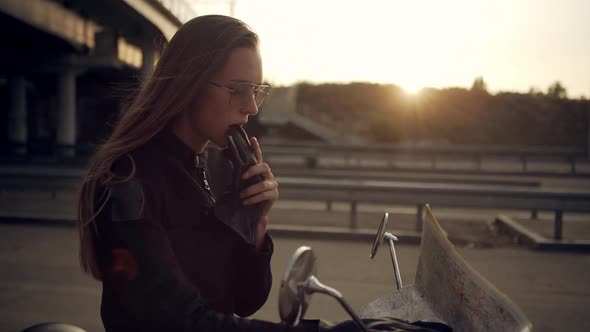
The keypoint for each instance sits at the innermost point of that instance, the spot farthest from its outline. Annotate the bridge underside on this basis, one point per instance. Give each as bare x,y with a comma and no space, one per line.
68,66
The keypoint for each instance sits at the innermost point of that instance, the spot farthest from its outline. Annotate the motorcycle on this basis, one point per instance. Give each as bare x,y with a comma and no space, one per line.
446,290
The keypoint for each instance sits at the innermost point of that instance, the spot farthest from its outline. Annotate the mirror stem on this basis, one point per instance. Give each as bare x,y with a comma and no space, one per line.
398,277
314,285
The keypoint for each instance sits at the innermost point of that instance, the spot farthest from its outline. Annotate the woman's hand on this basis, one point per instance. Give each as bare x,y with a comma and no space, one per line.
265,191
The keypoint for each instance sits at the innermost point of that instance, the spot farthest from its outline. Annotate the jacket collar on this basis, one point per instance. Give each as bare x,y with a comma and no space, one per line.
168,143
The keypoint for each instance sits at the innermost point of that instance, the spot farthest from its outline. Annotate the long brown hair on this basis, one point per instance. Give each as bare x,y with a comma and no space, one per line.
197,50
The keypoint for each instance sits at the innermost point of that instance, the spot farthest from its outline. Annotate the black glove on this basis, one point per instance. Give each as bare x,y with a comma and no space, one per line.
240,153
229,208
385,324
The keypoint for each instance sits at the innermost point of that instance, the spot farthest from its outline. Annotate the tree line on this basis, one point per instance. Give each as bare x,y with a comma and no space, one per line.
385,113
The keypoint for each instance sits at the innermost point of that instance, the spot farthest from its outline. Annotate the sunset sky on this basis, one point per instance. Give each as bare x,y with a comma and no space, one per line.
513,44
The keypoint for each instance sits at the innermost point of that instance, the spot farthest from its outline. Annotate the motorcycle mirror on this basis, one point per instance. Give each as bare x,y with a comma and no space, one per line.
379,236
293,300
299,282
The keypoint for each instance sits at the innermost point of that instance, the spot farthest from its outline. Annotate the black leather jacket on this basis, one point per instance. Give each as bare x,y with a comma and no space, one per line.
168,264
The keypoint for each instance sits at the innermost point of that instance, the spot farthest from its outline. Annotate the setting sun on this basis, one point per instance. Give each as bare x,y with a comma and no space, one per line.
412,90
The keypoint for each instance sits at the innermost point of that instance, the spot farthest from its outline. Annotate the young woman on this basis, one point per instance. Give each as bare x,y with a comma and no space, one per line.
147,220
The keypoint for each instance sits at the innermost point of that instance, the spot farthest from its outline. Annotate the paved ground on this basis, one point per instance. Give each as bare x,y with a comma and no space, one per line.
40,280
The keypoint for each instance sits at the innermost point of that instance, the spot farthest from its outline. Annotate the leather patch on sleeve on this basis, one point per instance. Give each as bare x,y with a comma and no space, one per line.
127,201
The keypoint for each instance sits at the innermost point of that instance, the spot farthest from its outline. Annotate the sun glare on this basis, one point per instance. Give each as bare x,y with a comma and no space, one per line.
412,90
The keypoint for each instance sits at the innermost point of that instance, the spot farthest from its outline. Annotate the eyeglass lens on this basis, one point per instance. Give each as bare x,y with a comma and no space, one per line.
244,91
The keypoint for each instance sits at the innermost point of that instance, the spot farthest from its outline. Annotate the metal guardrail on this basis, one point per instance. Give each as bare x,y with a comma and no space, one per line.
356,191
469,158
385,175
445,195
496,150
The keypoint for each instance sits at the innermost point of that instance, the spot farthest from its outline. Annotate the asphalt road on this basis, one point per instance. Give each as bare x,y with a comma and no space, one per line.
40,280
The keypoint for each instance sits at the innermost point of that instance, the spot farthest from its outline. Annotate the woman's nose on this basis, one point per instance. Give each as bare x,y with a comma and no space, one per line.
251,108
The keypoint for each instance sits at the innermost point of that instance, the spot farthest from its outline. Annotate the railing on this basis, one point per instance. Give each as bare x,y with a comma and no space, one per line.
449,149
489,159
444,195
354,191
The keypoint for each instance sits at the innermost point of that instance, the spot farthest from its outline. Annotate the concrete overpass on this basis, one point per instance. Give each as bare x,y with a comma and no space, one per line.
285,124
66,65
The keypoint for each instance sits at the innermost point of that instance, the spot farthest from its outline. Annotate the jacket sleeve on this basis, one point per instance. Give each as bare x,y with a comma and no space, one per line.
144,280
253,277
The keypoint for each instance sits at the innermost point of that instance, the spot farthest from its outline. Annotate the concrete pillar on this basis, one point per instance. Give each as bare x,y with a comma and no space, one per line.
148,59
17,118
66,126
588,132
